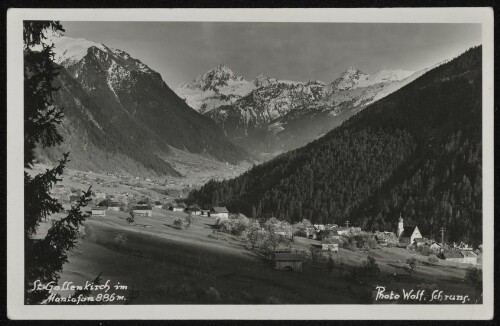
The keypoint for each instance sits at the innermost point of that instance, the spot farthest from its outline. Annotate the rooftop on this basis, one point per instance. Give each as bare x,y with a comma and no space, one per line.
288,256
220,209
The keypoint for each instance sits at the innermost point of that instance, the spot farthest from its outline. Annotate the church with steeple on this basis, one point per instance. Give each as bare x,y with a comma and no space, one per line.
407,234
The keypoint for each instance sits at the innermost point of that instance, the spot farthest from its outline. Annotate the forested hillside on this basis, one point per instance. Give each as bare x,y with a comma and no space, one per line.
417,153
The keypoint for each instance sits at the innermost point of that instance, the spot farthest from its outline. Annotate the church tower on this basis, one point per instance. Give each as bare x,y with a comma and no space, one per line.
400,226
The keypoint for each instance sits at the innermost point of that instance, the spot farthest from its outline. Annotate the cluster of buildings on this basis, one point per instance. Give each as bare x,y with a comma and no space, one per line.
410,235
215,212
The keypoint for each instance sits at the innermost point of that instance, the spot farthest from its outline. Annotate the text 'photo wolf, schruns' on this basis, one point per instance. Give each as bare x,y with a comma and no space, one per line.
252,163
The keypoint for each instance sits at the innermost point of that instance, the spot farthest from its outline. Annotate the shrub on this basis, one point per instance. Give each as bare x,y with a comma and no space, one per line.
252,235
121,239
182,222
424,250
370,264
433,259
236,226
130,218
412,262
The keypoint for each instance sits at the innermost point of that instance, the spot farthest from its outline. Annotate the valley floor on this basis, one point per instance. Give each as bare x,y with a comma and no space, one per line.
161,264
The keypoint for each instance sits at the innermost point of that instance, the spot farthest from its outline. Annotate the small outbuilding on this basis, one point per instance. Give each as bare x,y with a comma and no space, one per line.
288,261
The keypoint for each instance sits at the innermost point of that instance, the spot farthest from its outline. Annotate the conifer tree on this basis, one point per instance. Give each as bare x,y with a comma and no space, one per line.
44,256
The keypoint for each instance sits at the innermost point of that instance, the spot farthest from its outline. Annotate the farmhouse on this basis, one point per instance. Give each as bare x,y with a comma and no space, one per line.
98,211
158,204
205,212
177,208
193,211
319,227
355,229
332,245
343,231
142,210
114,206
288,261
219,212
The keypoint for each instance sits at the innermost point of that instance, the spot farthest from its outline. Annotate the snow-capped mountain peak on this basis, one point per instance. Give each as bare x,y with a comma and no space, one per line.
215,78
69,51
216,87
347,80
383,76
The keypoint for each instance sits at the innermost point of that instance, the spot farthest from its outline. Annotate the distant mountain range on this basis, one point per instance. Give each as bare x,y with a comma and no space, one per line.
415,153
121,116
268,116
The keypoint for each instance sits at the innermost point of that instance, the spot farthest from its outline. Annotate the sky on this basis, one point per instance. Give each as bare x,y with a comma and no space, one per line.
180,51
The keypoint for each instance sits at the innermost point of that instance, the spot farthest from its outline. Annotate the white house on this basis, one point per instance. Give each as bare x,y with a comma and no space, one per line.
98,211
177,208
219,212
114,206
142,210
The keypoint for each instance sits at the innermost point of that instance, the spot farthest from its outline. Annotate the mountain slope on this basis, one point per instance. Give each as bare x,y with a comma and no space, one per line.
216,87
278,115
416,152
128,111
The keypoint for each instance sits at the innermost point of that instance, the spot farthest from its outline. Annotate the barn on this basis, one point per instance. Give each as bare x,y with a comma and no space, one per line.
288,261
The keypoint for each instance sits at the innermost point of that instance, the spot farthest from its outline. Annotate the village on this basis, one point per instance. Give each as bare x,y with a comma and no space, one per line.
147,205
138,202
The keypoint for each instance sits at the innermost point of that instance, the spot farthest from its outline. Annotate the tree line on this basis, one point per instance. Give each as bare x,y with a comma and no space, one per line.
416,153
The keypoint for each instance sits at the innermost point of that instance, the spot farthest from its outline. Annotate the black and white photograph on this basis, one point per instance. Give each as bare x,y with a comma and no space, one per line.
247,162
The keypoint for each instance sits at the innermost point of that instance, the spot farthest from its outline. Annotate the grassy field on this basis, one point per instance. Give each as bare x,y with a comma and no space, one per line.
166,265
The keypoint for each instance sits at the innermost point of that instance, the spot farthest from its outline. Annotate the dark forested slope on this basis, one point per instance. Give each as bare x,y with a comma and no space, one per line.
416,152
